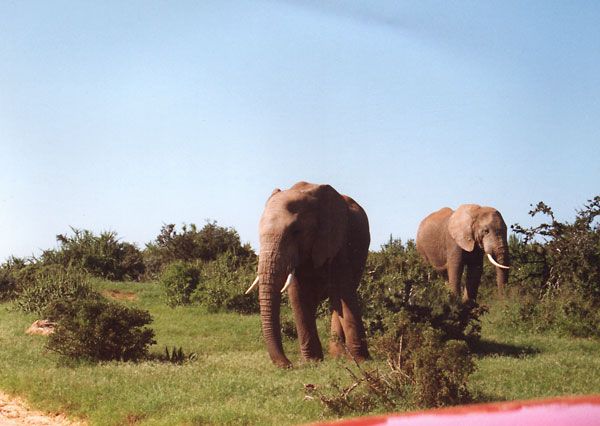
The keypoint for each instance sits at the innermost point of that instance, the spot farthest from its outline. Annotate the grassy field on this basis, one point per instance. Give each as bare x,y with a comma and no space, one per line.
232,380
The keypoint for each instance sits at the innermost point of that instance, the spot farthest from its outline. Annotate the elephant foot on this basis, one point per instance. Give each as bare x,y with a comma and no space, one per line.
281,362
312,357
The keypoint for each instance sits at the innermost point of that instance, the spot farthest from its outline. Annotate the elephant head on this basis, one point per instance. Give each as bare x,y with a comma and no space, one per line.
302,227
472,225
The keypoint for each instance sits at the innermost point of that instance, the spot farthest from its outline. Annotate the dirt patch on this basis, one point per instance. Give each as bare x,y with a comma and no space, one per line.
14,411
41,327
120,295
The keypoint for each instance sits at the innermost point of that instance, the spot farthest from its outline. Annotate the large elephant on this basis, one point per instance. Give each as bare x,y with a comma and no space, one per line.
452,240
319,240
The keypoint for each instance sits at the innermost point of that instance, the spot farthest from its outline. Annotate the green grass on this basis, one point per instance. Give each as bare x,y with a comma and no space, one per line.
232,380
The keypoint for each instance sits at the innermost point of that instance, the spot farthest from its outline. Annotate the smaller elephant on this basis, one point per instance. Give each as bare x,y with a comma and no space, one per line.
452,240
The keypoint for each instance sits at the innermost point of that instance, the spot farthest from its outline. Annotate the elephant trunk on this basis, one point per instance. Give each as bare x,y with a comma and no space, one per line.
502,256
272,273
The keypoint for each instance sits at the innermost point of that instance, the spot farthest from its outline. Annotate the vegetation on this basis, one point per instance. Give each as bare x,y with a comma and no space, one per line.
557,268
41,285
179,280
223,283
422,334
423,370
9,287
99,330
100,255
427,350
192,244
233,381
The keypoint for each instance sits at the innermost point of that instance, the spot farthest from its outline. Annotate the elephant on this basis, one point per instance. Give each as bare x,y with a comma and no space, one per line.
318,239
452,240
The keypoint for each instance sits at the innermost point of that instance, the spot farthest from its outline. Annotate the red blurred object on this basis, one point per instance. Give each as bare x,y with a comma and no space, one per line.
563,411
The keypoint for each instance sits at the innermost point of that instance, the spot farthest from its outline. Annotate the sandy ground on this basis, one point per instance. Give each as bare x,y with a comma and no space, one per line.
14,411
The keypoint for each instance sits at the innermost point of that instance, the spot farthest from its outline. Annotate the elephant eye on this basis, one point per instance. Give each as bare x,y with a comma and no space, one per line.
486,231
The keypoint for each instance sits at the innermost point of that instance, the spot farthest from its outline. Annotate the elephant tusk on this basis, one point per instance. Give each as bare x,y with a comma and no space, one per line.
491,258
288,282
254,284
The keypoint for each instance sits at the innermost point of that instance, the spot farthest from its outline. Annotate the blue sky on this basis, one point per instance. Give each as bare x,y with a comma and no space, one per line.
124,115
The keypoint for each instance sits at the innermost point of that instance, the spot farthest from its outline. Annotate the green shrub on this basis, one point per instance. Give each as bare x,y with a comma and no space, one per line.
192,244
395,276
40,285
398,280
422,333
223,283
425,370
556,266
9,285
441,370
178,281
99,330
100,255
567,255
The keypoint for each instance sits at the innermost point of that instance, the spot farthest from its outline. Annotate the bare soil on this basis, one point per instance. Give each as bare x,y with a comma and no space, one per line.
120,295
15,411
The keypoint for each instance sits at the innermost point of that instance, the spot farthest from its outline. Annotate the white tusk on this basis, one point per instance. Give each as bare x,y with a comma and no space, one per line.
289,280
496,263
254,284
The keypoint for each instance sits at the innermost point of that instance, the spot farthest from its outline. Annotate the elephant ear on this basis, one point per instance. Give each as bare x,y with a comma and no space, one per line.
332,216
460,226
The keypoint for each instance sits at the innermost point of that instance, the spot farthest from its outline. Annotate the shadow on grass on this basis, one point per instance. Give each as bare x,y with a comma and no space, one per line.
488,347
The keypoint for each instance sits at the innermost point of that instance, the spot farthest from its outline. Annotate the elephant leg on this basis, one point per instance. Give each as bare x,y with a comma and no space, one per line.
304,304
474,273
350,319
337,339
455,271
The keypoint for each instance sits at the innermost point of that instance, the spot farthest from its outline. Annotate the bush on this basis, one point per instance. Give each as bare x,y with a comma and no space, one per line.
423,334
102,256
438,364
9,285
398,280
99,330
425,370
394,277
567,254
557,267
192,244
41,285
223,283
178,281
